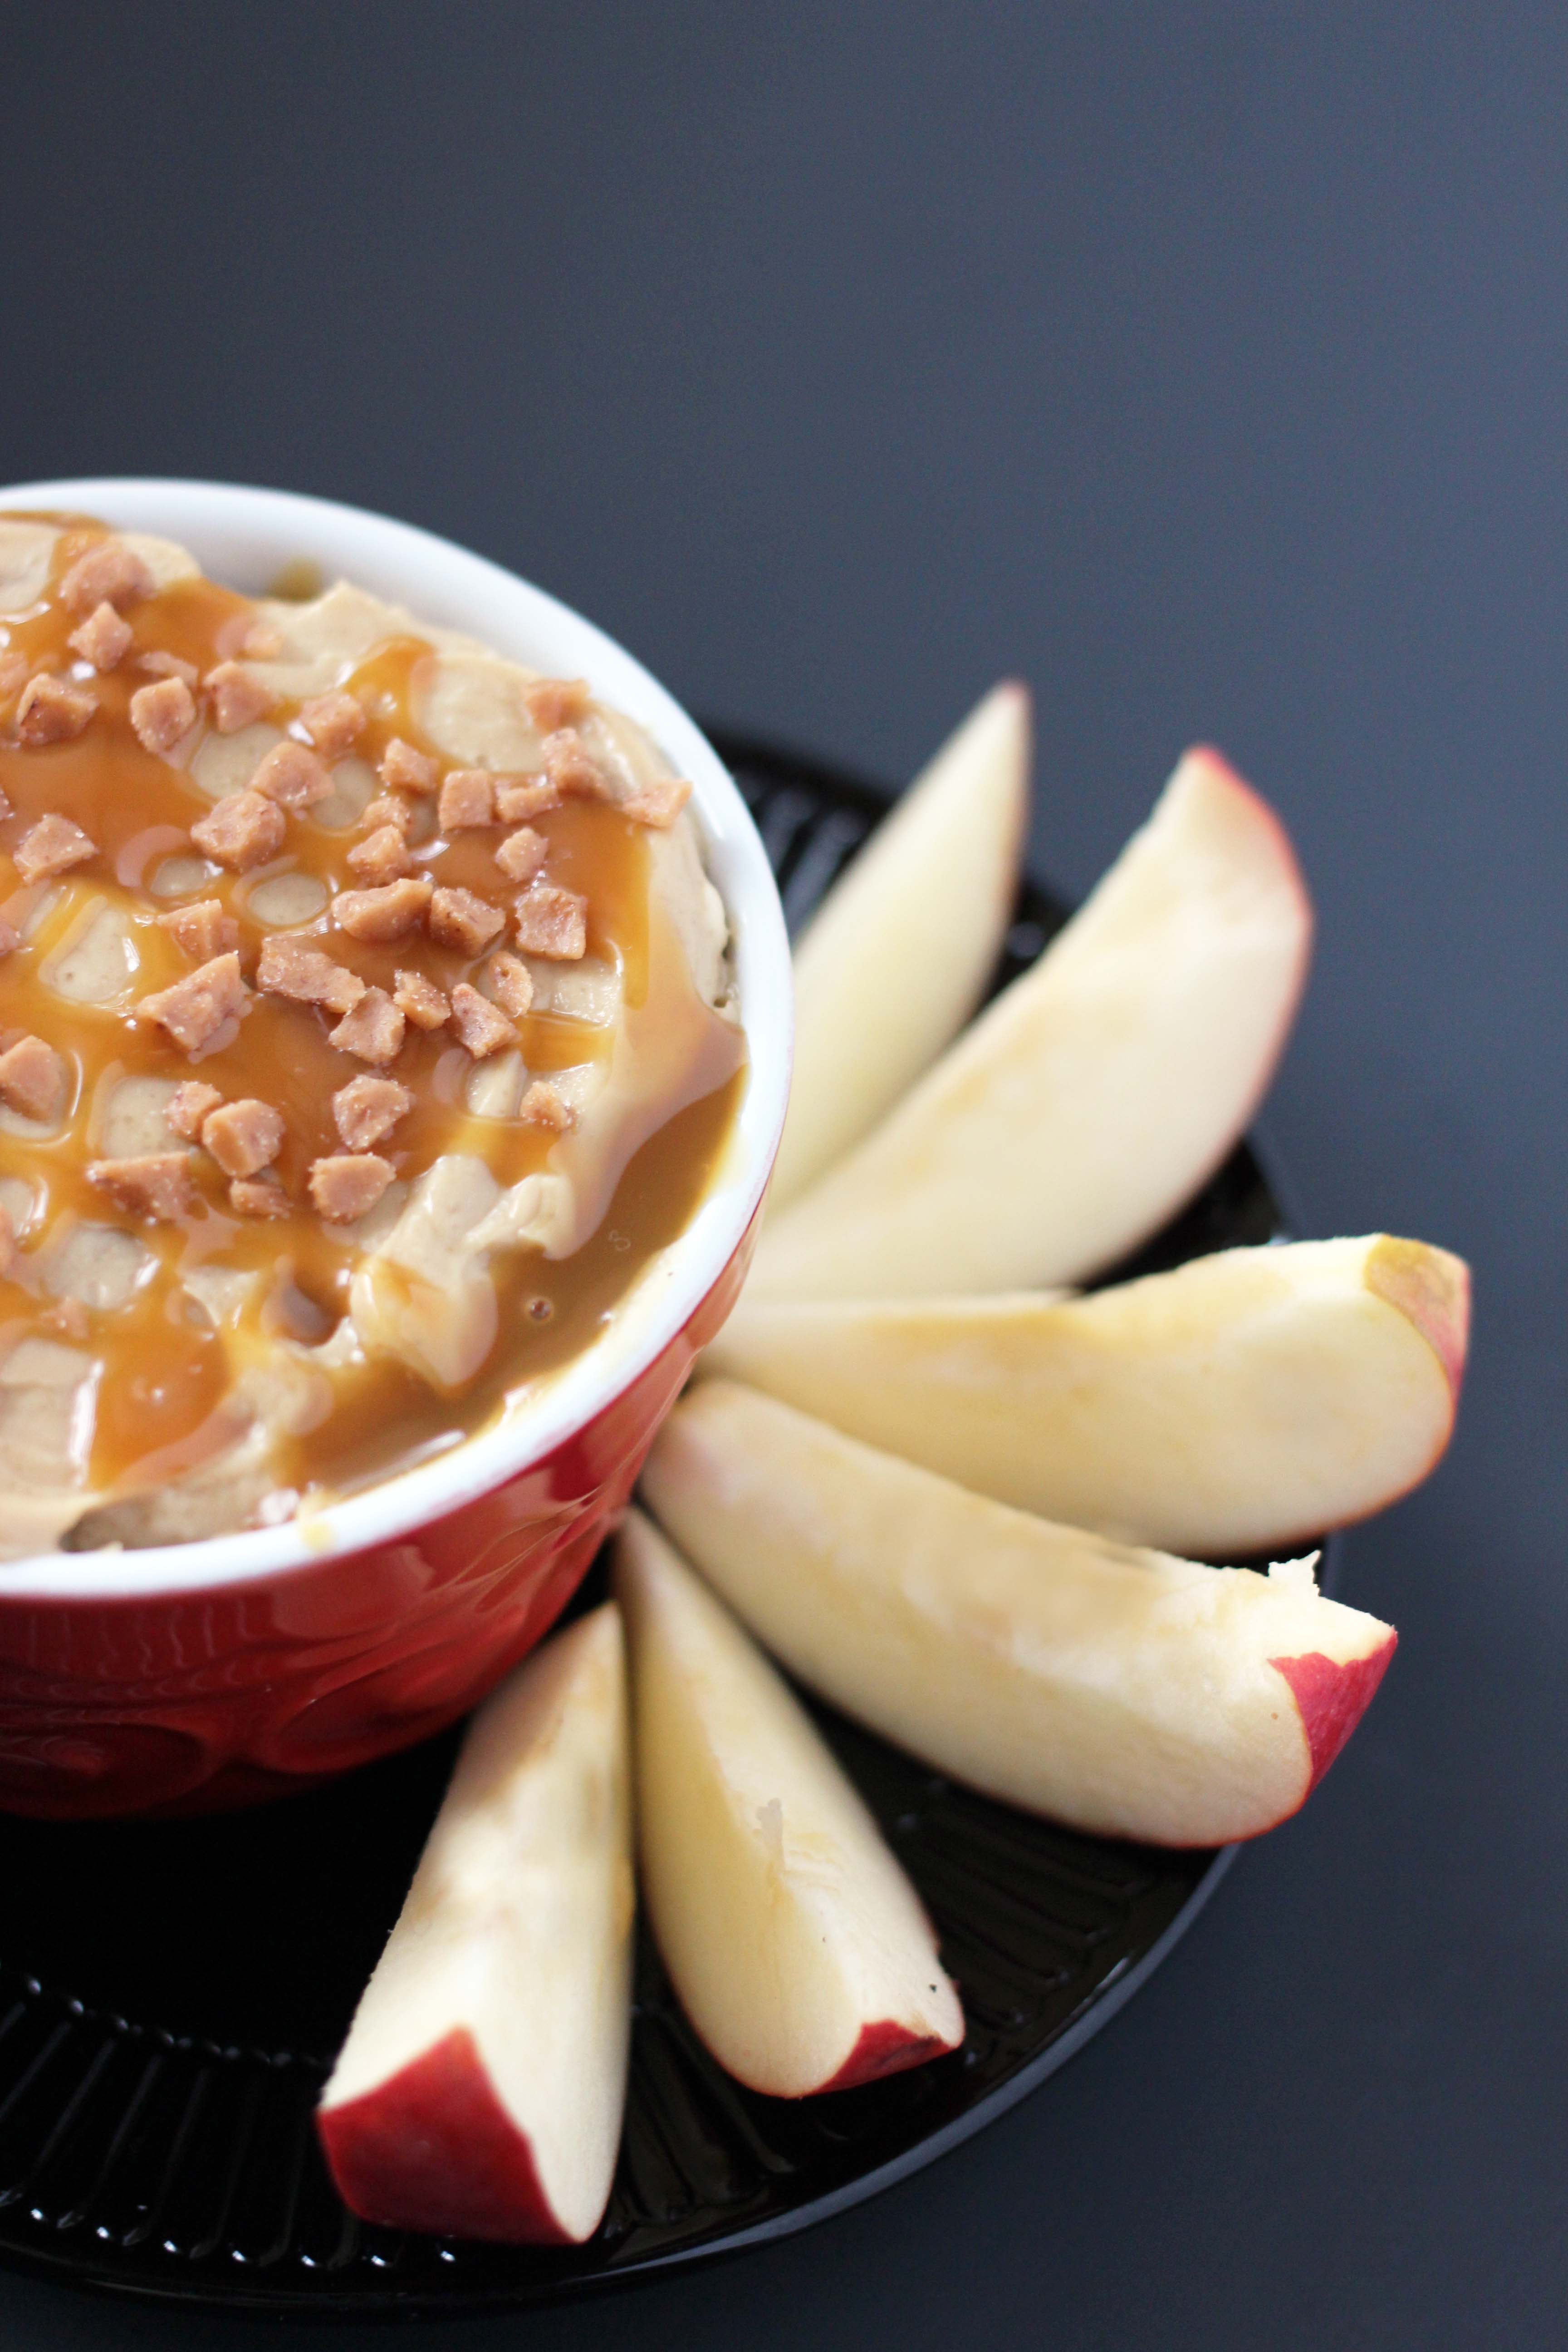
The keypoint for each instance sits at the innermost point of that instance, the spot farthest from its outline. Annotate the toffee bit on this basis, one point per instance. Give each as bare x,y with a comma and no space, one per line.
468,800
572,769
387,808
204,931
385,914
238,698
555,702
243,1137
243,831
405,770
334,724
159,663
162,714
657,804
52,846
367,1109
522,853
257,1196
519,797
544,1106
382,857
461,919
197,1008
108,573
53,710
33,1079
155,1184
421,1001
373,1032
552,922
262,643
103,638
349,1184
10,940
480,1025
13,674
188,1106
512,983
294,776
289,968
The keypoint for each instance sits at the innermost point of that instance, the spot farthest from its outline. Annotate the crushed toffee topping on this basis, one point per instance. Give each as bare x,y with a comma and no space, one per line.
313,964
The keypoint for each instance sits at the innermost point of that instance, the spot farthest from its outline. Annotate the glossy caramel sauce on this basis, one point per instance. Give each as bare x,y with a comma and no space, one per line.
166,1367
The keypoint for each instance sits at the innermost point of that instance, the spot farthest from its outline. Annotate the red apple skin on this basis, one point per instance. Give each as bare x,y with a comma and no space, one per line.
1332,1698
886,2048
1432,1289
433,2149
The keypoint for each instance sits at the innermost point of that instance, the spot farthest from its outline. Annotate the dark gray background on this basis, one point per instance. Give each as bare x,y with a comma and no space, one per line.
1205,367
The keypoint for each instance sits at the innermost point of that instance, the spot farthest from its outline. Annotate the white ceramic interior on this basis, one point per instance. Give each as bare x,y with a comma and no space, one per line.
243,536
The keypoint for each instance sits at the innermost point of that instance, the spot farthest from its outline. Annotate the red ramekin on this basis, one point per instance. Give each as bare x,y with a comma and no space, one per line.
215,1673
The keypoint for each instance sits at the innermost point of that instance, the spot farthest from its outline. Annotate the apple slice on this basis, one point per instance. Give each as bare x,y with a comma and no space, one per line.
897,957
1095,1096
1238,1405
479,2091
1125,1692
798,1948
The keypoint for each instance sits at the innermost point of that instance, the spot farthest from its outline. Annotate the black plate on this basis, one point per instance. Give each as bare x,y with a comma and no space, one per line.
172,1994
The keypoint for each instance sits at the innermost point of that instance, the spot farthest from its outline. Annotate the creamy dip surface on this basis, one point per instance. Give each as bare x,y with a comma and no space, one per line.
366,1026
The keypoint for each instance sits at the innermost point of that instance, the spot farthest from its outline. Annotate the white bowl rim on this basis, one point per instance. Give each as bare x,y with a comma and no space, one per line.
245,533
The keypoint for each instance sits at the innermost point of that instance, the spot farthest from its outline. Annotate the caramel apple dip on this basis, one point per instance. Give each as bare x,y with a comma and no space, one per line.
366,1026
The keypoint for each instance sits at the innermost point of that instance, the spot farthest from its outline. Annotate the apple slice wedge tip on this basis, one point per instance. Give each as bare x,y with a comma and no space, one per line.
1123,1691
1242,1403
479,2091
1096,1094
797,1948
898,955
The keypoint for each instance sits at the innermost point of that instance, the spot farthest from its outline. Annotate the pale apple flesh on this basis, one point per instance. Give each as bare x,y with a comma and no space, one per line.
1123,1691
479,2091
1097,1093
1242,1403
796,1945
899,954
